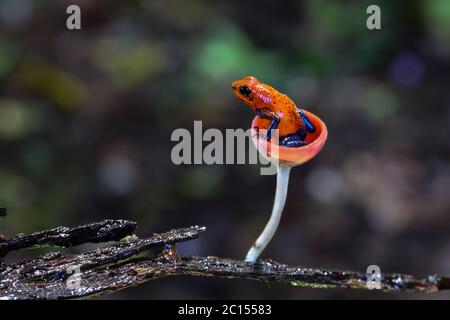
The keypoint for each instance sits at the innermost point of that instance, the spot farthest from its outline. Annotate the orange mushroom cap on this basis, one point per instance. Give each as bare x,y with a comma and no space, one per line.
288,155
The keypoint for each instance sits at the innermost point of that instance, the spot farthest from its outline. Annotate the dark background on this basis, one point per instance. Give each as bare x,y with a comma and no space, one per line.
86,118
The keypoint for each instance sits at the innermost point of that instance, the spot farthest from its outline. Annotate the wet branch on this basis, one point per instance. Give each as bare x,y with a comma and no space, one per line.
131,261
107,230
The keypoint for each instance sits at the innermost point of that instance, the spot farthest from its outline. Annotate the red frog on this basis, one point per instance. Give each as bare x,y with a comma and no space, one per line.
268,103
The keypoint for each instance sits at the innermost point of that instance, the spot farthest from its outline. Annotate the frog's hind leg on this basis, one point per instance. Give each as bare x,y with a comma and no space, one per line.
306,121
293,140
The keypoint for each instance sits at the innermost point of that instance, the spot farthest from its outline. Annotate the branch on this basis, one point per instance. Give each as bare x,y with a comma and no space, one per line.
107,230
125,264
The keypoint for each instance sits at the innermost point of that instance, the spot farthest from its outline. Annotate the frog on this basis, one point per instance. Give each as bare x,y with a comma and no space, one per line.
268,103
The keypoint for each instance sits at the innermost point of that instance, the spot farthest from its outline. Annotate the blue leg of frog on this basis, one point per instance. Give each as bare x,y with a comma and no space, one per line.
265,114
308,123
294,140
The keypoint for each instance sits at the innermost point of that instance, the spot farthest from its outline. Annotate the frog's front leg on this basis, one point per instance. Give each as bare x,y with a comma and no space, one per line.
308,123
267,114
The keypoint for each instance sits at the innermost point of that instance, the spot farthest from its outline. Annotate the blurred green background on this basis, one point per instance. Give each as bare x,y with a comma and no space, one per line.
86,118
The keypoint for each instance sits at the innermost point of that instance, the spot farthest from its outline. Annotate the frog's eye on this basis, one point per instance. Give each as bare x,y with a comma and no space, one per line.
245,91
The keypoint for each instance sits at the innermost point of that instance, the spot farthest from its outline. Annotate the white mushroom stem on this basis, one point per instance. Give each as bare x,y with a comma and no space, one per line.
278,205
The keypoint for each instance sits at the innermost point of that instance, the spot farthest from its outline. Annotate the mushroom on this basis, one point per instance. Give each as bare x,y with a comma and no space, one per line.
284,158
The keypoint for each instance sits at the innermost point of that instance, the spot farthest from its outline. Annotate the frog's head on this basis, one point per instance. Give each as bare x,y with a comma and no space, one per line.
250,90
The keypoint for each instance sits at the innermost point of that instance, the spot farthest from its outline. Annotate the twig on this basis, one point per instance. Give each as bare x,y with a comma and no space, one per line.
121,265
106,230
